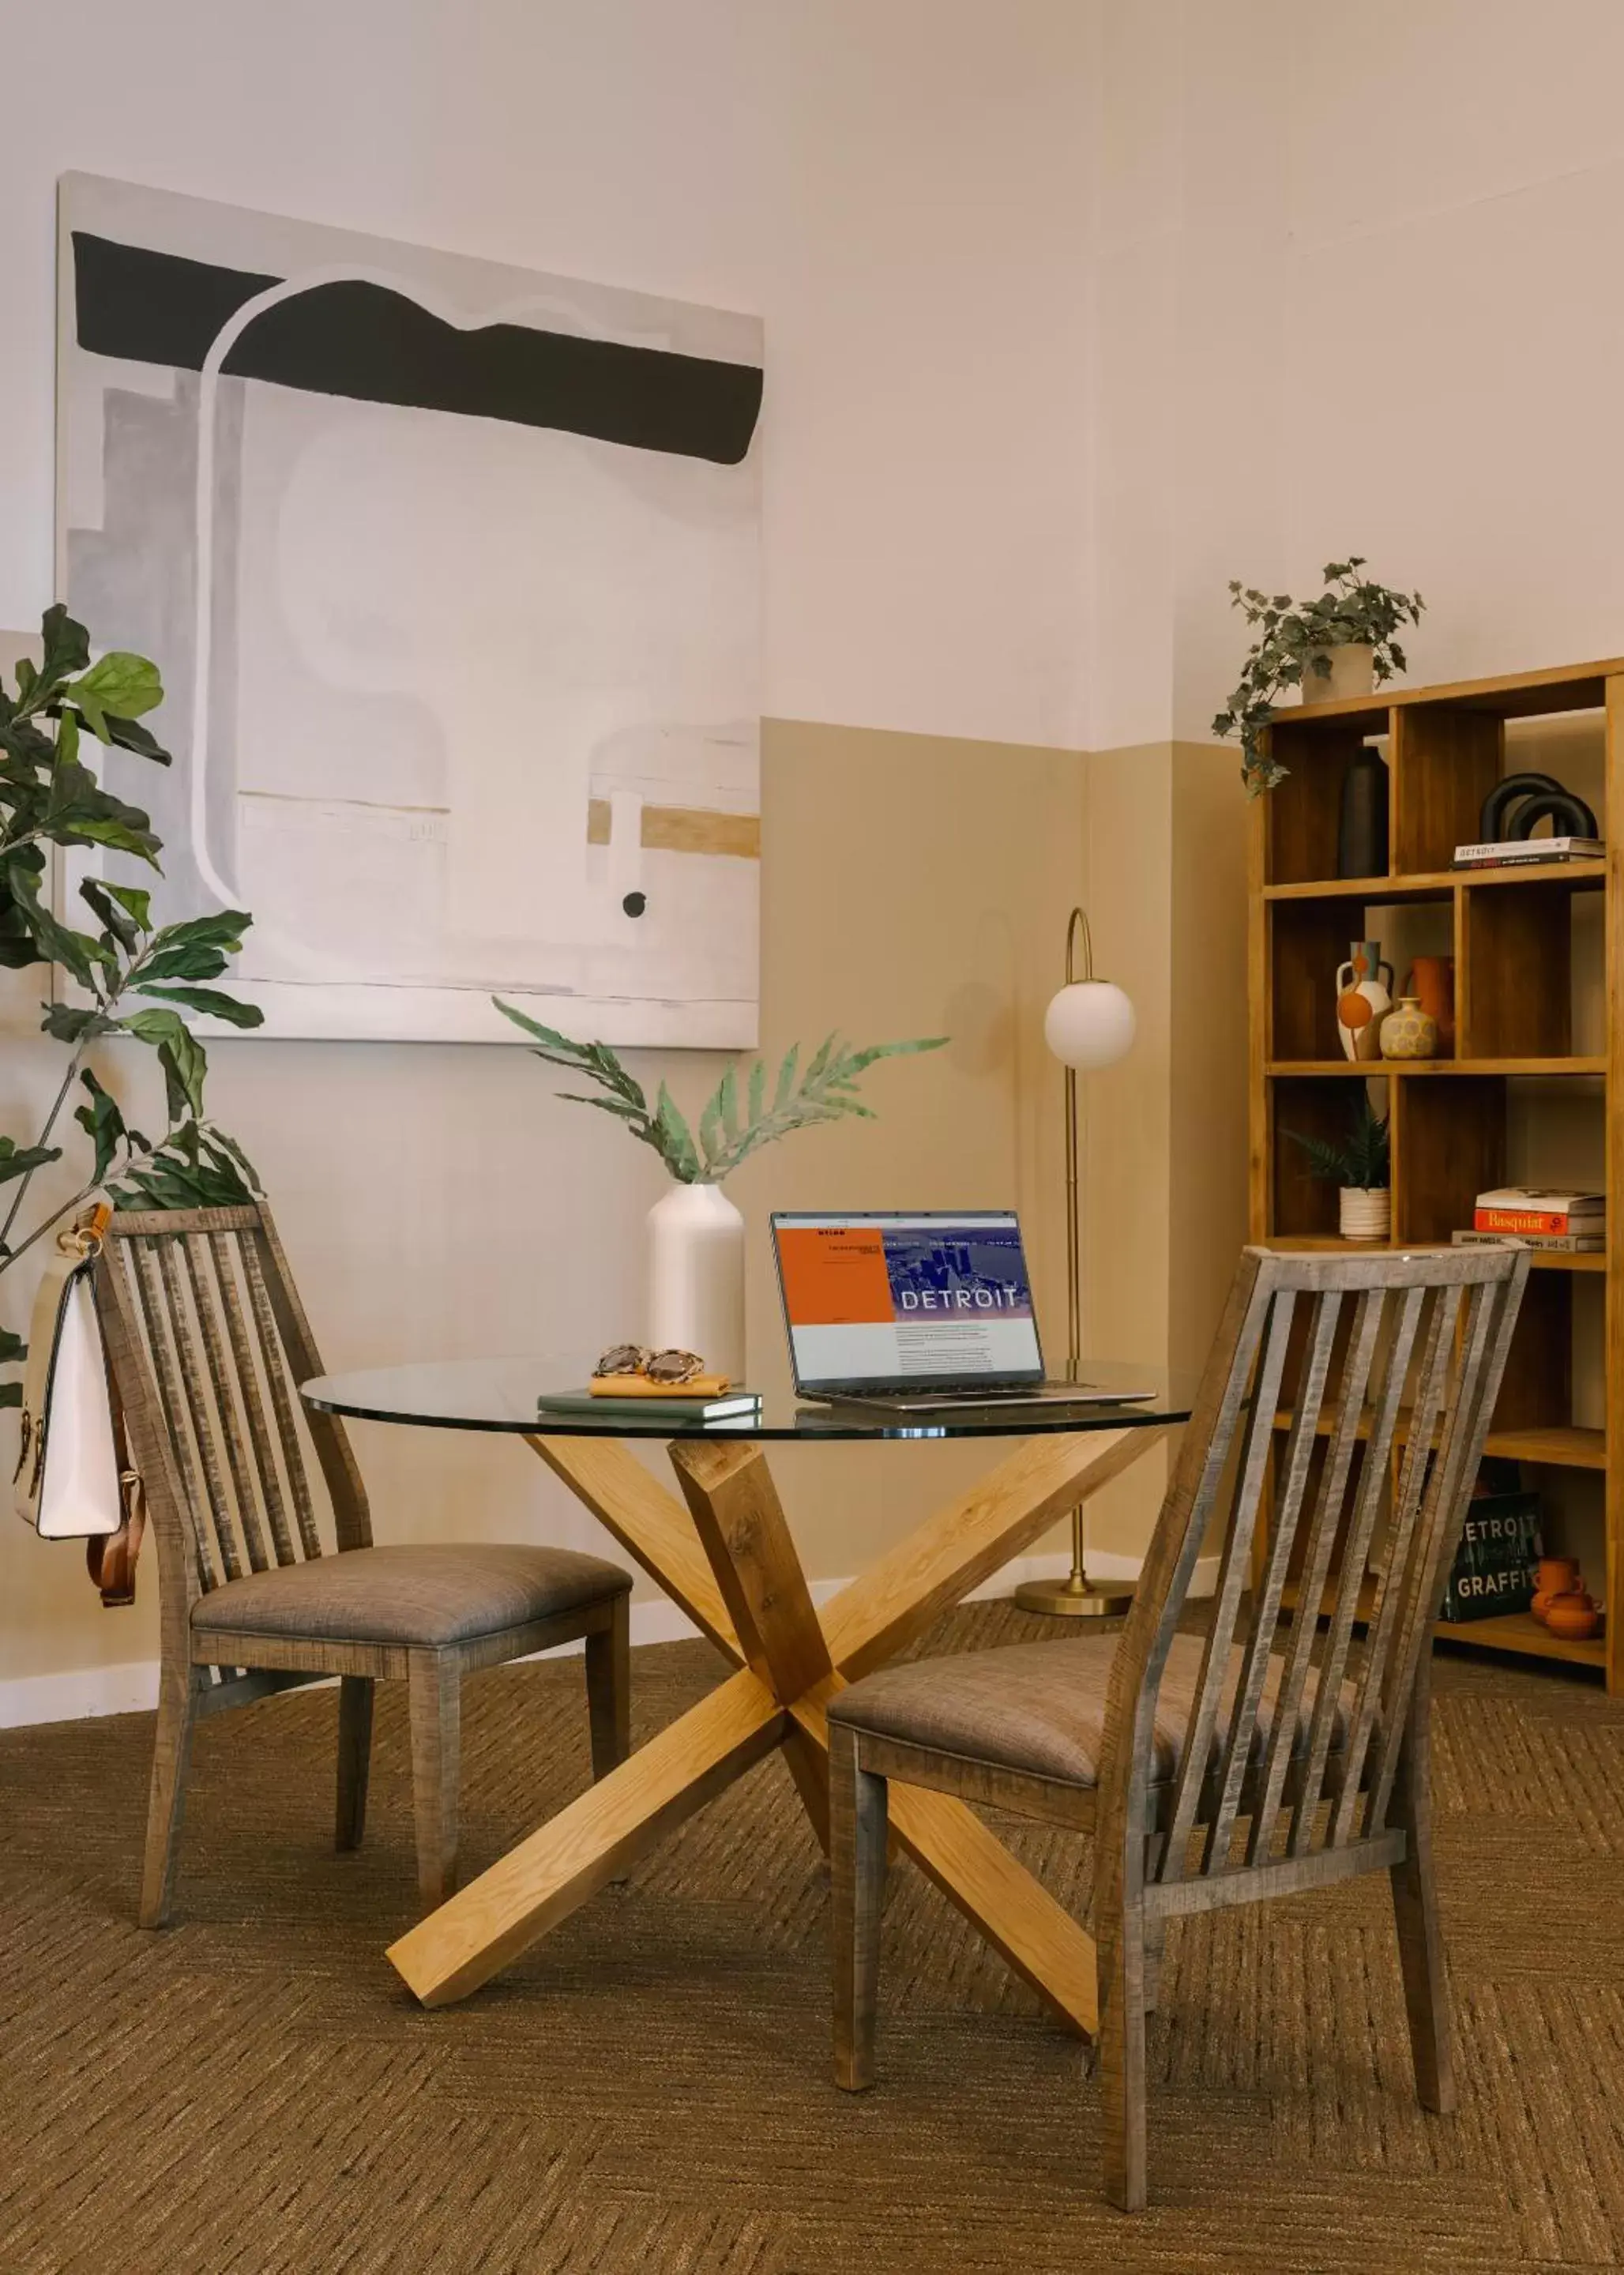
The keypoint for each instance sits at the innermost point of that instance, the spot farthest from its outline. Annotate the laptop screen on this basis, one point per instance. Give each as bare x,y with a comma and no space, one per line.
877,1303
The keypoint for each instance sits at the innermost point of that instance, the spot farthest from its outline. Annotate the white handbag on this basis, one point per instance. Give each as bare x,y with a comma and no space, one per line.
68,1482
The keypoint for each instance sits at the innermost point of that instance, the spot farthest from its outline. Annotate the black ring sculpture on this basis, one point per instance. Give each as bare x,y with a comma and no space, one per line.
1536,798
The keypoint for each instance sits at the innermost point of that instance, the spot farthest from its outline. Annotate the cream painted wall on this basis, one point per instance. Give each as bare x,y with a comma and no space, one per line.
440,1202
1352,292
902,191
899,188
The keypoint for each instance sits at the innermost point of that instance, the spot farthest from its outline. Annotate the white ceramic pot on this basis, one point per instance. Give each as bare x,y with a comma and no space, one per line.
696,1277
1366,1213
1352,672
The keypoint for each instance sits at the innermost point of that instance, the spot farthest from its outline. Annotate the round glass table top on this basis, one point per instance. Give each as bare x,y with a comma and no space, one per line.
505,1393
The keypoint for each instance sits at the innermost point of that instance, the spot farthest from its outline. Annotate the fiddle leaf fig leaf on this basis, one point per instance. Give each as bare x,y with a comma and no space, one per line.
102,1123
210,1001
18,1161
121,682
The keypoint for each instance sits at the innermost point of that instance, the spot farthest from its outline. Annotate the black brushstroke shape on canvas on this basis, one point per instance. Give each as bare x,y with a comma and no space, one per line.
363,341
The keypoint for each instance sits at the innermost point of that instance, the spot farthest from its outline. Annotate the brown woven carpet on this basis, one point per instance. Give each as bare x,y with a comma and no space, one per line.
255,2091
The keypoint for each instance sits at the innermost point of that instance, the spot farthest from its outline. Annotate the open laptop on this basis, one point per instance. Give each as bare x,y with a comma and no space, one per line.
926,1313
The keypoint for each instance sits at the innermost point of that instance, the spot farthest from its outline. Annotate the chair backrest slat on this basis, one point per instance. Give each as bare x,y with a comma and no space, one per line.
1391,1579
172,1399
1242,1743
1293,1684
1302,1723
1371,1492
227,1249
282,1403
1233,1575
197,1409
207,1337
199,1259
1484,1348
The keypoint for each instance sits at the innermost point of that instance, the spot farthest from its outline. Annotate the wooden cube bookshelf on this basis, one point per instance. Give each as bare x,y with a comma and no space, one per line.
1511,933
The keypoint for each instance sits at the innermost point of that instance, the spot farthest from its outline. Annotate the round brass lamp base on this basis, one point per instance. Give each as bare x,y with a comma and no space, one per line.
1073,1598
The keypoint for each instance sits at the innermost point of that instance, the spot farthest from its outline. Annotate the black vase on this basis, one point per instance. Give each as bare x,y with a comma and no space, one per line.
1361,826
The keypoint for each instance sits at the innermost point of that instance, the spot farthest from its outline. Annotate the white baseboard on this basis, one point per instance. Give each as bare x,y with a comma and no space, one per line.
77,1693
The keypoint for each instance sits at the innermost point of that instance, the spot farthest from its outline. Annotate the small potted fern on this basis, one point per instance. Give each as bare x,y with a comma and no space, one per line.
1360,1164
696,1251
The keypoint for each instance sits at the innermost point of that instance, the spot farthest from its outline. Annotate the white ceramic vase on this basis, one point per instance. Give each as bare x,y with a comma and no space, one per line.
696,1277
1366,1213
1352,672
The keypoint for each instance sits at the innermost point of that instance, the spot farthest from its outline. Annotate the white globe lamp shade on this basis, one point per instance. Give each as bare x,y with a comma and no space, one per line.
1089,1024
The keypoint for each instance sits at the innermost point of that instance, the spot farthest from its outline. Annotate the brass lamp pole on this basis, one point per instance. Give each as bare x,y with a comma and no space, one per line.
1089,1024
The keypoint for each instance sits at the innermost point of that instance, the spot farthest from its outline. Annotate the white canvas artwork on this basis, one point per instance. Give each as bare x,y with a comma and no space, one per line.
452,571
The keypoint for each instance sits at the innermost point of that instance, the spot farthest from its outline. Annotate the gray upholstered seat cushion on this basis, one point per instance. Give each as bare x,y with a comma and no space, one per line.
438,1594
1040,1707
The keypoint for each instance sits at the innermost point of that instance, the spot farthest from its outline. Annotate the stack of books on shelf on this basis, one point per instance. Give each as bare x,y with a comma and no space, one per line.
1527,1216
1515,852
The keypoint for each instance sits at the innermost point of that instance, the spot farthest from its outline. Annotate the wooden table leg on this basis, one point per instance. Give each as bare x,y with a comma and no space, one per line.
730,1561
553,1872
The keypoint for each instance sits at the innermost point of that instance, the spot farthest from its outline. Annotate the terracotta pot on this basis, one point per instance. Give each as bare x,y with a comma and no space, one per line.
1573,1616
1432,982
1554,1576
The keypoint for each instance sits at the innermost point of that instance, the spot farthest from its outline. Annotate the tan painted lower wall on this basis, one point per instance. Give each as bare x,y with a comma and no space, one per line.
435,1200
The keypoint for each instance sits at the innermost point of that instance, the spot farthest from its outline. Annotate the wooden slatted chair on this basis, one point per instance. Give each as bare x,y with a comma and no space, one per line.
1259,1760
207,1341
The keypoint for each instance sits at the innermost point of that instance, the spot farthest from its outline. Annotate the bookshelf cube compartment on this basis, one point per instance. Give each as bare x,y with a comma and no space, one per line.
1306,1207
1309,941
1302,812
1537,1388
1448,1146
1446,762
1514,991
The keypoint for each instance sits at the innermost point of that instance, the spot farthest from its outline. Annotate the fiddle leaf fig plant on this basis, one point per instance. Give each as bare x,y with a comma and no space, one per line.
133,977
1292,636
736,1119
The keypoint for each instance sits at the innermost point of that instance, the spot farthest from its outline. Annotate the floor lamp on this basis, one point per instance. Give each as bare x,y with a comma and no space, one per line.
1090,1023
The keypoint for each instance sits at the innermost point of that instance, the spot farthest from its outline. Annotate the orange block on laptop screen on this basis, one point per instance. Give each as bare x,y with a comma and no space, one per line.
834,1276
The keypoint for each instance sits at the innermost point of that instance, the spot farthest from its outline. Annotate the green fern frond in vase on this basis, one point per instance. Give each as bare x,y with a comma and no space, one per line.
1363,1161
730,1126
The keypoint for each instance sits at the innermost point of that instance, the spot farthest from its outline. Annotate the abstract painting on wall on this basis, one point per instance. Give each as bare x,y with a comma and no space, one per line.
452,571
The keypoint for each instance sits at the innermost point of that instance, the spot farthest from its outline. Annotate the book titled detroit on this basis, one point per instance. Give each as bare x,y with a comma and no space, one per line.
940,1270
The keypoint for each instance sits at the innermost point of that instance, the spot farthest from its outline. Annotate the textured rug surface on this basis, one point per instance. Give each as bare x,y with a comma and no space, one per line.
255,2091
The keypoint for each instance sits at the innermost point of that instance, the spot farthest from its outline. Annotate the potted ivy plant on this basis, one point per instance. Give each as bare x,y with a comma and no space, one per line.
1343,643
1362,1166
696,1237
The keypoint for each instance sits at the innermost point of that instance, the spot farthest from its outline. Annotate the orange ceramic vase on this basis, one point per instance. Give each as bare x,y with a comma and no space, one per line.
1574,1616
1556,1575
1431,980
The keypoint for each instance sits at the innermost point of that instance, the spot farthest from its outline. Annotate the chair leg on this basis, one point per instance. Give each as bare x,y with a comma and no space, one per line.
1121,2052
858,1814
354,1757
609,1689
1421,1944
1155,1930
433,1687
178,1700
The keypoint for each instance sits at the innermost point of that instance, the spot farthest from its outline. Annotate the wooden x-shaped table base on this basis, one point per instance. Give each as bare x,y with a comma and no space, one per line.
729,1560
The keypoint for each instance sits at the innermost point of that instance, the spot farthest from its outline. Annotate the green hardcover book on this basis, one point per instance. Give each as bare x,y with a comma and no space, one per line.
737,1406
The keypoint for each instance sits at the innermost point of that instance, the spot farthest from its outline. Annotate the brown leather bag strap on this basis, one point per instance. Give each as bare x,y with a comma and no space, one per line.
110,1557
